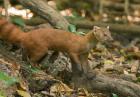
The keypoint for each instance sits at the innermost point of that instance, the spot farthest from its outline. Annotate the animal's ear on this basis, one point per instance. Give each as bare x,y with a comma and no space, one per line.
95,28
107,27
95,31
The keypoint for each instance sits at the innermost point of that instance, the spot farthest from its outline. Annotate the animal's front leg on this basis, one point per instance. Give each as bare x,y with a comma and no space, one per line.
84,62
86,66
76,64
76,69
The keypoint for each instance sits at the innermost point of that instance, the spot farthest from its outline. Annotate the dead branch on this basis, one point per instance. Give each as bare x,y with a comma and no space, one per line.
6,4
45,11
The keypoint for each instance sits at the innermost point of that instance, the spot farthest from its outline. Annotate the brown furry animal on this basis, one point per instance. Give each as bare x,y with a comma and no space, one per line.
38,42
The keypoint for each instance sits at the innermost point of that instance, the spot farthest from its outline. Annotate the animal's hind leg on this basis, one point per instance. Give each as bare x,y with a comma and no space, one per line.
24,54
36,55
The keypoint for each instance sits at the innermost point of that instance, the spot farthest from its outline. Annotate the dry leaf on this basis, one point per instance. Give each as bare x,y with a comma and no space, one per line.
23,93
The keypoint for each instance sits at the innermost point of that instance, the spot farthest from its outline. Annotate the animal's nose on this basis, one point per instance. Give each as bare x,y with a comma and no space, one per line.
111,39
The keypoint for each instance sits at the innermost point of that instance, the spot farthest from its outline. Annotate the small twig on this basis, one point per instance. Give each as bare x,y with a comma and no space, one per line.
6,5
135,66
101,7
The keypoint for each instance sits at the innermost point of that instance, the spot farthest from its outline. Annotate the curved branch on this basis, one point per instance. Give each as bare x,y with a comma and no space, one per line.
41,8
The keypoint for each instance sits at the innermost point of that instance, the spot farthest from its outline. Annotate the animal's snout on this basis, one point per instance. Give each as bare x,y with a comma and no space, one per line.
111,40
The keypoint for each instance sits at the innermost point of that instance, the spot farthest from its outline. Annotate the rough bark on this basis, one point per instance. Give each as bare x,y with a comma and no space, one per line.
41,8
118,86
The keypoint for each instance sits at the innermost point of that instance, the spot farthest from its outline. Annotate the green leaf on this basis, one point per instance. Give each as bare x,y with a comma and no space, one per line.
18,21
2,94
72,28
34,69
46,65
8,80
80,33
114,95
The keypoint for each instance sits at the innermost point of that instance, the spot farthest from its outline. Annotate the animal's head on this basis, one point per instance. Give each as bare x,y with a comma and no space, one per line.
102,34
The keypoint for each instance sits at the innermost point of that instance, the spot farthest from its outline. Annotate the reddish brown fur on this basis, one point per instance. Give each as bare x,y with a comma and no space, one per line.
38,42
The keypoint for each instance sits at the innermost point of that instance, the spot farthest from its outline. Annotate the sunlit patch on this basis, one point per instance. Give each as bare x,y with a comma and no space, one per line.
66,12
133,18
136,19
117,19
136,13
24,13
83,13
130,18
105,17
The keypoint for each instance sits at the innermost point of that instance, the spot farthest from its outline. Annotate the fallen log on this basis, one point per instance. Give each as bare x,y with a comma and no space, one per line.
136,1
113,85
119,6
129,29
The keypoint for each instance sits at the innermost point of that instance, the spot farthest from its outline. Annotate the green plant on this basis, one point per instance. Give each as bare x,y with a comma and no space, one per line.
72,28
8,80
114,95
18,21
